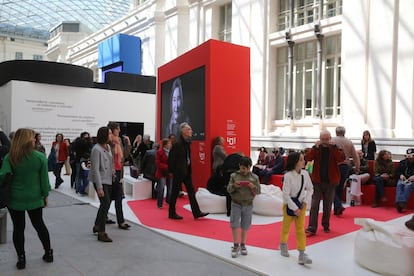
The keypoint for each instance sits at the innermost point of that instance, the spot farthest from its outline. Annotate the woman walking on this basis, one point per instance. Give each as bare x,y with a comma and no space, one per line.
29,192
101,175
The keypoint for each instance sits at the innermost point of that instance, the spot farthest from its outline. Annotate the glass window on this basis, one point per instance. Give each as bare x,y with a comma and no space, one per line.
282,55
310,88
37,57
35,18
18,55
225,23
282,81
332,8
299,89
305,79
329,86
282,77
305,11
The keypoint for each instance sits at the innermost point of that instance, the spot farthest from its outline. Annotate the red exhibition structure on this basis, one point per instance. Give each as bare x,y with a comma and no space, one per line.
215,80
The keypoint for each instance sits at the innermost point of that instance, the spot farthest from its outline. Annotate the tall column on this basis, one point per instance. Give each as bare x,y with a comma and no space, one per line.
183,26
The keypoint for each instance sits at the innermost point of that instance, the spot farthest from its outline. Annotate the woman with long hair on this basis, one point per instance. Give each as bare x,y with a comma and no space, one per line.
161,173
384,175
61,150
38,145
101,175
29,191
368,146
118,153
177,110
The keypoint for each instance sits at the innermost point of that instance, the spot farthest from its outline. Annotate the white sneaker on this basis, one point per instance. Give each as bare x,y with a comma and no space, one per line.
234,251
284,250
304,259
243,250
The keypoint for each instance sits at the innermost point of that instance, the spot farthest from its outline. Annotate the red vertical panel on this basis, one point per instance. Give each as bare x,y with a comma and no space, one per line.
227,99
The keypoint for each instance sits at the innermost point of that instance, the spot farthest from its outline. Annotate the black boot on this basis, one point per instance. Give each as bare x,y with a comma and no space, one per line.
21,261
410,224
48,257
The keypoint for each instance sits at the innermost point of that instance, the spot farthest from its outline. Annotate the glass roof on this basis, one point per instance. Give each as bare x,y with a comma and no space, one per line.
35,18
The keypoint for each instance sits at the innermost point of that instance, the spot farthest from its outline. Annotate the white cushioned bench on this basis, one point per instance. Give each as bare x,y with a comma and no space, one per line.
384,247
210,203
137,188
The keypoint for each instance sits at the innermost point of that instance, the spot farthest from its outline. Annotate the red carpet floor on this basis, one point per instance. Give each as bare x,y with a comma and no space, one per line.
265,236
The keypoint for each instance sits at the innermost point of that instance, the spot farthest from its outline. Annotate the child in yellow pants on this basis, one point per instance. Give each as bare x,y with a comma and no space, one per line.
296,184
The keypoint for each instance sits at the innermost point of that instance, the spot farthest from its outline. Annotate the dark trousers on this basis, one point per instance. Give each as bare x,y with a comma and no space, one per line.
19,224
105,202
73,174
325,190
339,191
176,187
57,171
117,196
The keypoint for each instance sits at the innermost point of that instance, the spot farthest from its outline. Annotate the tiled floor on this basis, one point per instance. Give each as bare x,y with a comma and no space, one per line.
331,257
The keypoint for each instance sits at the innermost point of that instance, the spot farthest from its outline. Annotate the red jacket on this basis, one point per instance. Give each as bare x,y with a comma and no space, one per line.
63,151
335,156
161,163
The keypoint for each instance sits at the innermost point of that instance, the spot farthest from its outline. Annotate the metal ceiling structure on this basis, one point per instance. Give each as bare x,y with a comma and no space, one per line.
35,18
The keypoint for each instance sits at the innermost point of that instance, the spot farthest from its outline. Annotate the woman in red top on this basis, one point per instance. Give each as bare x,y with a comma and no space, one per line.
118,153
61,150
161,163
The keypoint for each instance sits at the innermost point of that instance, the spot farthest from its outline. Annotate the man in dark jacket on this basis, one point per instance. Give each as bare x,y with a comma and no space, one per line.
80,147
405,184
179,164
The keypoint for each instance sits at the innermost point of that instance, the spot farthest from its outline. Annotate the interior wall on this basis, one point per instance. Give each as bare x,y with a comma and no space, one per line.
52,109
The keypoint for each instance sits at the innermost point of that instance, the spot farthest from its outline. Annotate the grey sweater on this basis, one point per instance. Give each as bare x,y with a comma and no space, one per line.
102,166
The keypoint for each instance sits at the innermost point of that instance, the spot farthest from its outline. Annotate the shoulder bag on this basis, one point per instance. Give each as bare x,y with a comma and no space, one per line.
290,212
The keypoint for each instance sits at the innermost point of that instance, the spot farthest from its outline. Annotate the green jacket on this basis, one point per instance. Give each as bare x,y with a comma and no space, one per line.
243,195
30,183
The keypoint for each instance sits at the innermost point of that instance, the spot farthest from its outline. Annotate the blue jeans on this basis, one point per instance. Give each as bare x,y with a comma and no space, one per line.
78,176
160,190
379,188
404,191
344,170
84,182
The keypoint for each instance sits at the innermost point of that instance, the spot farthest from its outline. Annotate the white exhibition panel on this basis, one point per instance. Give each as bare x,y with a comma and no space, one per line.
52,109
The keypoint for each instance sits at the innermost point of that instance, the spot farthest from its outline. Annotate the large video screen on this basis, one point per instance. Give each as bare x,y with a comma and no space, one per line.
183,100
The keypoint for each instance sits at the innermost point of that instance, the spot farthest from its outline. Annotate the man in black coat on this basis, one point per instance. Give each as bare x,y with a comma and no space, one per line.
179,164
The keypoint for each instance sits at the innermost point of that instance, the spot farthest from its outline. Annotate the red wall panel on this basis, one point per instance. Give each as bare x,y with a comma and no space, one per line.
227,99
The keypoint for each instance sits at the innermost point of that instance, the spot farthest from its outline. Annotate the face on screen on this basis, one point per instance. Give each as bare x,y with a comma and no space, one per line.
183,100
176,102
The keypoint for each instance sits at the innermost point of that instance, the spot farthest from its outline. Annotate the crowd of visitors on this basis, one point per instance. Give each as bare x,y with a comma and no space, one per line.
100,160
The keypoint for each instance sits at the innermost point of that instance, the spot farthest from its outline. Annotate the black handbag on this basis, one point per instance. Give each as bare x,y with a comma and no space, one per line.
134,171
289,211
5,188
51,160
